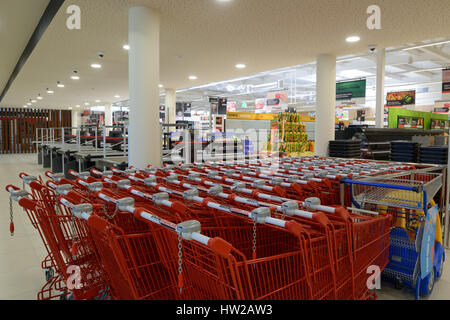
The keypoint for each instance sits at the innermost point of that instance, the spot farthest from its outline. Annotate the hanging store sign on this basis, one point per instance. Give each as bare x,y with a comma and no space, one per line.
446,81
351,90
213,100
179,109
187,110
231,106
441,110
222,106
401,98
276,101
162,112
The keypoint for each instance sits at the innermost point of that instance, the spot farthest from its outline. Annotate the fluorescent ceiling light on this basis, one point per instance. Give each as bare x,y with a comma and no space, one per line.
97,101
86,103
126,47
33,101
425,70
264,85
59,84
161,86
77,106
426,45
29,104
353,39
348,59
96,65
280,72
70,108
39,97
354,73
241,66
193,78
116,96
25,106
75,77
50,91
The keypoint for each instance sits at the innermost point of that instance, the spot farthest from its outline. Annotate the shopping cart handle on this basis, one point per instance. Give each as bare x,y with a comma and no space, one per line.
382,185
48,174
73,173
95,172
11,187
220,246
23,175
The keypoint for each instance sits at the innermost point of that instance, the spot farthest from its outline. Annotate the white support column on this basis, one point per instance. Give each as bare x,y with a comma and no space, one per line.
380,97
171,108
326,103
75,118
108,115
144,130
108,118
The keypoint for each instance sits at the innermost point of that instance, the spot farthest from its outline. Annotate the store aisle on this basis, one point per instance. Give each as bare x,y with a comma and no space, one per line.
21,276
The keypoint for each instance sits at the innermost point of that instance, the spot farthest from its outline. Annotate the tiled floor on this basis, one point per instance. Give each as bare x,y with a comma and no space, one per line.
21,276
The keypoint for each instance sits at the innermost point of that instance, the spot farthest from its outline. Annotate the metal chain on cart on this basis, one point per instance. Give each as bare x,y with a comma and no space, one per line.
72,228
11,216
180,261
254,239
110,217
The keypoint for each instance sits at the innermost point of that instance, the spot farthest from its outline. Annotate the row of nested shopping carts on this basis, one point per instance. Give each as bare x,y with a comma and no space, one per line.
216,231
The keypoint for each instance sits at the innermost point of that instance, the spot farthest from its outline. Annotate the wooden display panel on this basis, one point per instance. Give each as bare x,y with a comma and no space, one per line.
18,127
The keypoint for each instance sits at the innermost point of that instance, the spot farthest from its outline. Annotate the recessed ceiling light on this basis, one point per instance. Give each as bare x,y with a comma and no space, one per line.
39,97
33,101
353,39
126,47
59,84
29,104
116,96
241,66
70,108
426,45
192,77
75,77
96,65
50,91
86,103
77,106
97,101
161,86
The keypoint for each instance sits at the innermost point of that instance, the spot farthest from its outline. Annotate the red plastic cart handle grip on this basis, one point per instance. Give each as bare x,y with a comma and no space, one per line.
22,175
49,174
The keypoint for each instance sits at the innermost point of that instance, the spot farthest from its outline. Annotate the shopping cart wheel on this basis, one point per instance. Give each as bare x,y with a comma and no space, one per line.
431,281
49,273
441,268
427,284
64,295
398,284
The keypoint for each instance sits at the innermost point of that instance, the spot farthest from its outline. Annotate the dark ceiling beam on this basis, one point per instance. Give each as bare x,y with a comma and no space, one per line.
49,13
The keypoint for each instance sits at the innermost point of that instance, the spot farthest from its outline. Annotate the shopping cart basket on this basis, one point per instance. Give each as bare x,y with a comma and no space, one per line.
416,255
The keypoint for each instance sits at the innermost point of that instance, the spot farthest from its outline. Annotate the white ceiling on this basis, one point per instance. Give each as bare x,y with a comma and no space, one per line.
404,70
18,19
207,38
